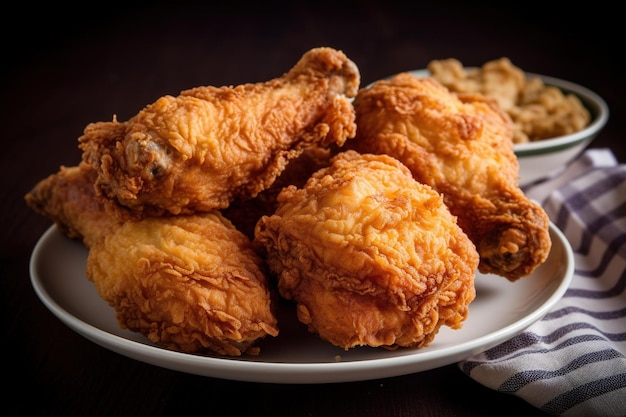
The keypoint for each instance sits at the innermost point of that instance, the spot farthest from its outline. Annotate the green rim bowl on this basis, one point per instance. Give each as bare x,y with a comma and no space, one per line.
542,158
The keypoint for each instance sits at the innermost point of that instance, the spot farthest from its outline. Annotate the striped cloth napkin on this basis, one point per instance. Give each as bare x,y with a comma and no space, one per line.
572,362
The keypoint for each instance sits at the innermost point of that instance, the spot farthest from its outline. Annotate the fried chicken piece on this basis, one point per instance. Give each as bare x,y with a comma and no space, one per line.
244,213
209,145
461,146
190,283
68,198
369,255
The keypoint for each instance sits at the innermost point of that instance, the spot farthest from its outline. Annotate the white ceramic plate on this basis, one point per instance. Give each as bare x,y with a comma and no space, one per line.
501,310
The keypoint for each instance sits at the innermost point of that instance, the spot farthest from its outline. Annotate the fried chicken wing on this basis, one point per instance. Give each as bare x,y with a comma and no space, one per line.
209,145
68,198
461,146
369,255
192,283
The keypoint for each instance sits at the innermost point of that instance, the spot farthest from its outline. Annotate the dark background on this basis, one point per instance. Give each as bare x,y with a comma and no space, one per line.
64,67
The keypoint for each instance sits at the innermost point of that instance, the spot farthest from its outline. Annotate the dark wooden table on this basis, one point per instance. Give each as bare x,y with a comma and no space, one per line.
63,69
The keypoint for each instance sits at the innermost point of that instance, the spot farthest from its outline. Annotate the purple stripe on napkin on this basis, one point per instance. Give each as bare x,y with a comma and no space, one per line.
572,362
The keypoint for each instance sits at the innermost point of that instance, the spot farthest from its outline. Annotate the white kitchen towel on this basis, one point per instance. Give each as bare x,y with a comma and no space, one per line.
573,361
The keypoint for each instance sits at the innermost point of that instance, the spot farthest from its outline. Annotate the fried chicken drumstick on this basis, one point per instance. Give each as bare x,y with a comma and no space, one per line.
369,255
462,147
191,283
209,145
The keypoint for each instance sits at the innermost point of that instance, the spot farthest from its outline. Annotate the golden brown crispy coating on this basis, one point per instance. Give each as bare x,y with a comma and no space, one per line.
370,256
67,197
461,146
244,213
191,283
209,145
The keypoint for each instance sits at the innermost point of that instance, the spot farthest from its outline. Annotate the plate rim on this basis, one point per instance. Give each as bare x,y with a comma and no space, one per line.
292,372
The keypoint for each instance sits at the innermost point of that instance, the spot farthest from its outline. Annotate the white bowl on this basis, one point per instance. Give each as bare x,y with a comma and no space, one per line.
542,158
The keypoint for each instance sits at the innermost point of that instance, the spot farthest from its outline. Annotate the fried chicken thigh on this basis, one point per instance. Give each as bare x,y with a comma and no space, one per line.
369,255
200,150
461,146
191,283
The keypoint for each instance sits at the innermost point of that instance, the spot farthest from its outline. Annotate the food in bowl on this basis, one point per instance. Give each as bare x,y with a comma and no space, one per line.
540,159
538,111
